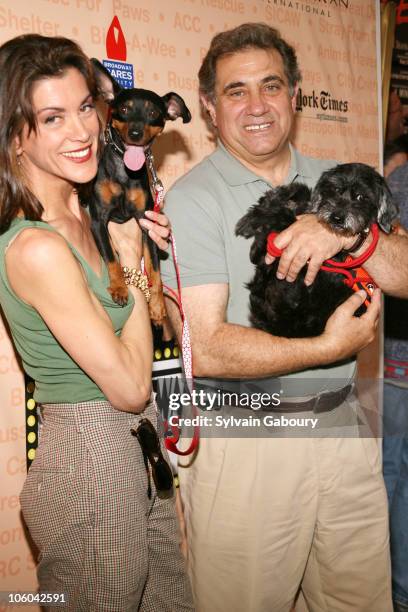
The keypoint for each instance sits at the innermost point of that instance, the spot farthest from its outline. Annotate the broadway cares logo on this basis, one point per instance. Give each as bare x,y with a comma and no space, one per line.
320,8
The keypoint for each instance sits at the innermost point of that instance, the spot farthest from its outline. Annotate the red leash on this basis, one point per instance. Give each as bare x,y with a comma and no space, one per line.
186,351
158,198
350,261
187,356
356,279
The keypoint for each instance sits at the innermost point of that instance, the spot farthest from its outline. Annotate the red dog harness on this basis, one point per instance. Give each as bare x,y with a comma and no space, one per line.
355,276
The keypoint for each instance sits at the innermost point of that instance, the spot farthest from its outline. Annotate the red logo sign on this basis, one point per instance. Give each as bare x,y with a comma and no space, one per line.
115,41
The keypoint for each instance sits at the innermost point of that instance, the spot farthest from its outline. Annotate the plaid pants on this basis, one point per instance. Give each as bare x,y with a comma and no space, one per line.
102,541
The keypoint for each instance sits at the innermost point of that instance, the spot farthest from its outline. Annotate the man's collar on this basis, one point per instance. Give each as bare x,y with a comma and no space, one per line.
231,168
298,167
235,173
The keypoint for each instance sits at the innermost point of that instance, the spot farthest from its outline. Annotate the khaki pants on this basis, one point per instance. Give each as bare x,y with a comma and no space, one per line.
102,541
269,515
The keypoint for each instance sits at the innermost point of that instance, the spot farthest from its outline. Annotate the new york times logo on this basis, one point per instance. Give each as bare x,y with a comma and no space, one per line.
322,101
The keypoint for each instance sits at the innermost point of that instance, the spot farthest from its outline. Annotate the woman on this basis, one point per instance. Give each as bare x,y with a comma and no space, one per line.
102,539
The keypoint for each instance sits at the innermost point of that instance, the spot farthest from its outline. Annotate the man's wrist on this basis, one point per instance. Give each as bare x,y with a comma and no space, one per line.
324,348
362,246
358,243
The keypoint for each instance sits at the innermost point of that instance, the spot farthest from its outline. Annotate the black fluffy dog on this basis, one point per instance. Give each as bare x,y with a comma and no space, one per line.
349,199
122,189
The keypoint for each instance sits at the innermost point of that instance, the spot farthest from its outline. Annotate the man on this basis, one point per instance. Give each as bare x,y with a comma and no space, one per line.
395,442
395,155
269,514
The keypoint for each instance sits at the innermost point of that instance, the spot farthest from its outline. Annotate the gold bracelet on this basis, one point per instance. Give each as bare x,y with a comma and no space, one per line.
136,278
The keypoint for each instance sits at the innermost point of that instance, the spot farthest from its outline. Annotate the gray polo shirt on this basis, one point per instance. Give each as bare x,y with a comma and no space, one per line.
204,207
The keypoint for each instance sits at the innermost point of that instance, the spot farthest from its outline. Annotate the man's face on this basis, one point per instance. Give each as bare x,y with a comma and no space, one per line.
253,110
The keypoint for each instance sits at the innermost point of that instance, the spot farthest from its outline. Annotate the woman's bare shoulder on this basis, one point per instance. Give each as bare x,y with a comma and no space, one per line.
36,247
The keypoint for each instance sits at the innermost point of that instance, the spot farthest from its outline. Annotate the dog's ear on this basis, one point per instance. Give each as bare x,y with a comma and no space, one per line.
387,209
315,201
108,87
257,251
176,107
248,225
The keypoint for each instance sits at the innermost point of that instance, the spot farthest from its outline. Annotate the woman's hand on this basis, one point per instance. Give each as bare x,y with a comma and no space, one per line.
158,227
127,241
127,237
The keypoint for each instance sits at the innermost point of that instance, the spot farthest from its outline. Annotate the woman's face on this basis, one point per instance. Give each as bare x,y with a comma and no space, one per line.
64,147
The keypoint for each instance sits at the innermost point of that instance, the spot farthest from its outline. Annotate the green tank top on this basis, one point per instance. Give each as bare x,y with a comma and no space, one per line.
57,377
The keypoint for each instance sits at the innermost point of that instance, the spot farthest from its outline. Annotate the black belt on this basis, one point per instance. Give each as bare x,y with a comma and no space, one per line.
325,402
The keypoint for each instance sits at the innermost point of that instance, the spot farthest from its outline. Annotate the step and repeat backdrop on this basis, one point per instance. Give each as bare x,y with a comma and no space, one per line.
159,45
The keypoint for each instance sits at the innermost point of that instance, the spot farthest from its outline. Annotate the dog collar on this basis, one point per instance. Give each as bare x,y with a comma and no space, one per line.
359,242
355,262
113,139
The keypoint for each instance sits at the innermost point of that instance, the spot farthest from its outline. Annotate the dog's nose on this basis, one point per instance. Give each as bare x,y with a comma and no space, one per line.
136,133
336,218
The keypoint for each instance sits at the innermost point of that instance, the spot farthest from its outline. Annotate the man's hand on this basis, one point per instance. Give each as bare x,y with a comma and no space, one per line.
345,335
158,228
307,241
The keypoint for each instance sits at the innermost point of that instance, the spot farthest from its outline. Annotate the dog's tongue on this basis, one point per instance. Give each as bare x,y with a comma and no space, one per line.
134,157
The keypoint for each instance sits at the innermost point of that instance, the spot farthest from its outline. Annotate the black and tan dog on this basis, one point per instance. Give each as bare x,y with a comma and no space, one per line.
349,199
122,188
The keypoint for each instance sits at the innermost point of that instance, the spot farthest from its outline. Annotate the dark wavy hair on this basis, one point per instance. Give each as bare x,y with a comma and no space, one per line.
246,36
23,61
